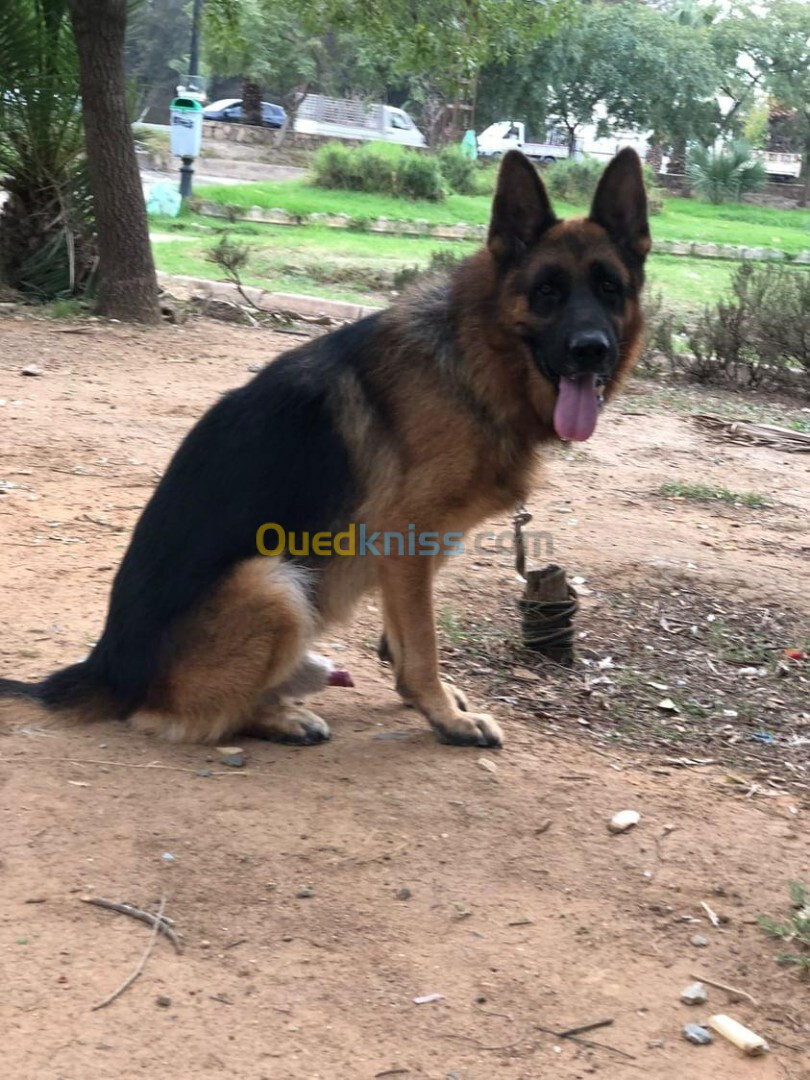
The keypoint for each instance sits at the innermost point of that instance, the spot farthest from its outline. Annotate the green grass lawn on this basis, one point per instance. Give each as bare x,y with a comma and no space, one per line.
681,219
358,266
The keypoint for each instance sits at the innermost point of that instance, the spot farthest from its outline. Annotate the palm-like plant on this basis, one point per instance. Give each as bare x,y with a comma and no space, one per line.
724,175
46,224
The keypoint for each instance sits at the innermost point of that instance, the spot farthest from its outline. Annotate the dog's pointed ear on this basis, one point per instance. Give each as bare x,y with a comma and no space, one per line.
620,205
521,210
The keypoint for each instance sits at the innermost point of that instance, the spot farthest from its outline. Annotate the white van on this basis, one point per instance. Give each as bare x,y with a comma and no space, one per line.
335,118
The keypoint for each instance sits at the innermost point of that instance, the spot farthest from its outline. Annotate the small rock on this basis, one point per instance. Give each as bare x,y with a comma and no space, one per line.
428,999
403,894
203,772
696,1034
699,941
163,1000
668,705
305,894
695,994
167,856
205,944
624,820
655,1044
391,736
487,765
32,370
231,755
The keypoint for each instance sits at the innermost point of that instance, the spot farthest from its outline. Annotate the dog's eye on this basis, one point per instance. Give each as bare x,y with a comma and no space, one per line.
546,289
608,286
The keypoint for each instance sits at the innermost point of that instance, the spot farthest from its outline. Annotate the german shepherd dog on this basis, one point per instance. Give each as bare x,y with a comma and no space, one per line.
426,415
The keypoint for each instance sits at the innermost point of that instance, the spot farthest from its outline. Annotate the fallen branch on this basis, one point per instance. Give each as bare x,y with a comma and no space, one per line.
585,1042
125,985
163,924
743,994
741,431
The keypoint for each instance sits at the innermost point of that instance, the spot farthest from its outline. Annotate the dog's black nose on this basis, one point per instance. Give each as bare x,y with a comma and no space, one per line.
588,349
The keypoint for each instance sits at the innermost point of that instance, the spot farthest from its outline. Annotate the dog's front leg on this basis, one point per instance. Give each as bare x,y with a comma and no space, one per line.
410,631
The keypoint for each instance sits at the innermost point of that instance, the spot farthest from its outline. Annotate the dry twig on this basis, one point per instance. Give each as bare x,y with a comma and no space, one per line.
125,985
163,924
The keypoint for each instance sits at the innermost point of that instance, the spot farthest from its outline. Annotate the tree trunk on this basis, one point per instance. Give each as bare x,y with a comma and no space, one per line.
292,103
804,198
655,156
128,286
572,141
677,161
251,102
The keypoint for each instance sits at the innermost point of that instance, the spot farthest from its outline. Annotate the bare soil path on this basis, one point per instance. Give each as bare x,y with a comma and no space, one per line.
318,892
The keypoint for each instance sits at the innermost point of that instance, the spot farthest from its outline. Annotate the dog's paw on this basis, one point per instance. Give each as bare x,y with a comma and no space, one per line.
469,729
290,724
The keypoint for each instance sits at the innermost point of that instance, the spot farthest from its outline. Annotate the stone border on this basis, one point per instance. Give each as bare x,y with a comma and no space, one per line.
462,231
298,303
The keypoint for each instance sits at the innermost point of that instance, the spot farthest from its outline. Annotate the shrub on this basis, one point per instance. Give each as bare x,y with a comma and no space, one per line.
379,168
724,175
575,180
661,330
420,177
759,337
458,170
442,261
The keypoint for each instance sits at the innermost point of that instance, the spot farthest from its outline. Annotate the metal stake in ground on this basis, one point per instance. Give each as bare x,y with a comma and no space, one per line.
548,606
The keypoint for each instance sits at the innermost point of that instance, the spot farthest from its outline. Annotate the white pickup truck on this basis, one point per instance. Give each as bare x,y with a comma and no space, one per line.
336,118
506,135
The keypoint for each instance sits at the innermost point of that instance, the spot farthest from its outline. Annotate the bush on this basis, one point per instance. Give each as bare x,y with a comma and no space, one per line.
760,337
458,170
575,180
725,175
442,261
379,168
661,330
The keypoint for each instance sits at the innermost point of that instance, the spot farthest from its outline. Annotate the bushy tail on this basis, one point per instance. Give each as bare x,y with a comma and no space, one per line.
72,689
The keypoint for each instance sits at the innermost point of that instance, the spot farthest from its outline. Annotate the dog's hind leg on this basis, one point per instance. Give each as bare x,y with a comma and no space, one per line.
250,636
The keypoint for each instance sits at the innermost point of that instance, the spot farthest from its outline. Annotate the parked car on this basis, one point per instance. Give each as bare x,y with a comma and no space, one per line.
336,118
229,110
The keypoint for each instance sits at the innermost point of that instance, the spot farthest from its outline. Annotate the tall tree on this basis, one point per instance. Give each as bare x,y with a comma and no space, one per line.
642,68
128,284
777,42
157,43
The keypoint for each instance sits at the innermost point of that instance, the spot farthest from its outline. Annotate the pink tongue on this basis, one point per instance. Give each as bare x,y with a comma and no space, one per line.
576,409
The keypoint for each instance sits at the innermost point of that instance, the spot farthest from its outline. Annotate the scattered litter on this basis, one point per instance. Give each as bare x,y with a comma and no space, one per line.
305,894
167,856
696,1034
32,371
428,999
746,1040
763,737
231,755
79,783
699,941
694,994
486,765
668,705
624,820
713,917
794,654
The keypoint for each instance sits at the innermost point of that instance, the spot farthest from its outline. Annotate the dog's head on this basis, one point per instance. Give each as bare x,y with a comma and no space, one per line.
569,290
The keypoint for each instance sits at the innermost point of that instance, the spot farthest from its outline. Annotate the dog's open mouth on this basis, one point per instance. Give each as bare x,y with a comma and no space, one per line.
579,398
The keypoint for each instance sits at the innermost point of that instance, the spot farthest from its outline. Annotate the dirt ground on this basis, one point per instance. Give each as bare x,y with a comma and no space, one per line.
318,892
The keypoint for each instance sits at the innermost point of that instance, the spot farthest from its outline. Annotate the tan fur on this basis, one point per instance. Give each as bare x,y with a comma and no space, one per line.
248,637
